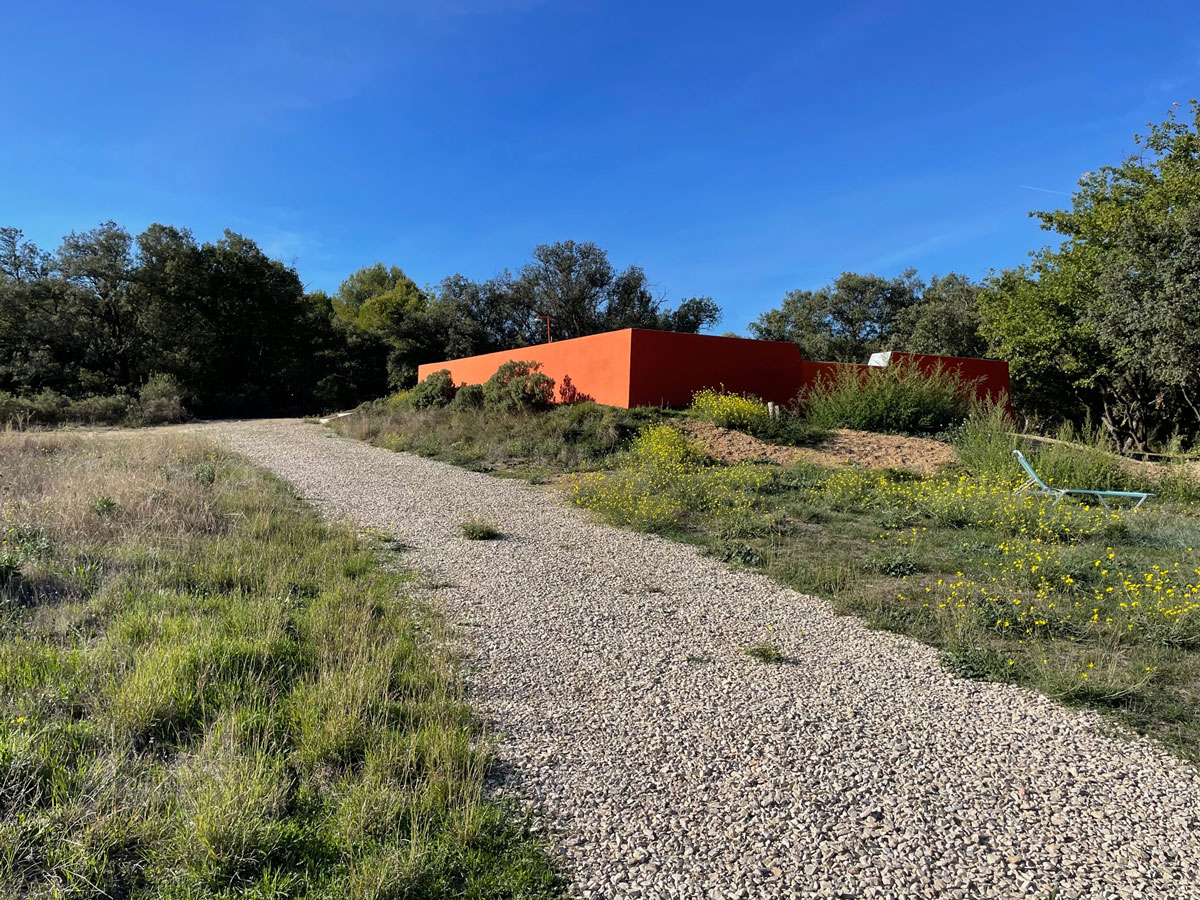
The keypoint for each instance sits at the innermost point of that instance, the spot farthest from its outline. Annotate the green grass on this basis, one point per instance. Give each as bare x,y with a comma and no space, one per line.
205,691
568,438
764,653
1091,607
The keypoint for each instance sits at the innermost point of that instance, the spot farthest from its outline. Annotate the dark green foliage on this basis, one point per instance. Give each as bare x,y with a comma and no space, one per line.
159,401
895,398
944,321
239,336
844,321
518,386
469,396
436,390
977,663
107,313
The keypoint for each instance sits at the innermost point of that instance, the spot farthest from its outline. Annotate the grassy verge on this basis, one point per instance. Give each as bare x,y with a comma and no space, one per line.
567,438
207,692
1089,606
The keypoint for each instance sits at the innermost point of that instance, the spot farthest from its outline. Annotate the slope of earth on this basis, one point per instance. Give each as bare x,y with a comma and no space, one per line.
864,449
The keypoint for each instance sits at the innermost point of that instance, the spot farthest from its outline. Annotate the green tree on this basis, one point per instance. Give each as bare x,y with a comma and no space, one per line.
576,286
1114,307
384,302
99,264
233,326
844,321
944,320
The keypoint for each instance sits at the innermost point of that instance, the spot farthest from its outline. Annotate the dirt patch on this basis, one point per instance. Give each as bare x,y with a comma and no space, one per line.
865,449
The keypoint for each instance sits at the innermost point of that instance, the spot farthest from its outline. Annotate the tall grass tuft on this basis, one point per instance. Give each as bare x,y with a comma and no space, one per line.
896,398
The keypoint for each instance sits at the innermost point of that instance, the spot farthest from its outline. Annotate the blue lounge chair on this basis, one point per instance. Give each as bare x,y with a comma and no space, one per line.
1037,486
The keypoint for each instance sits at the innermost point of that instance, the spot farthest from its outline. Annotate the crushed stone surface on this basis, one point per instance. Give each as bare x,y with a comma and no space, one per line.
663,762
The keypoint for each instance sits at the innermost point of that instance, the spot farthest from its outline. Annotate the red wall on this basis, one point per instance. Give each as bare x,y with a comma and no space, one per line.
635,367
669,367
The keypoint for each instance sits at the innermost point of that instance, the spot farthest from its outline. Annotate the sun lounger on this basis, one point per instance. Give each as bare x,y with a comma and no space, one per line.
1035,485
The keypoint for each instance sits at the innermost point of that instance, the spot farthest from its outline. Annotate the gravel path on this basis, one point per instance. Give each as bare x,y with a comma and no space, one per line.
667,764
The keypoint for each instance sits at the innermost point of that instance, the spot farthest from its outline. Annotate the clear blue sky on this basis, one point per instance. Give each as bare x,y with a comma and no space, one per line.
736,150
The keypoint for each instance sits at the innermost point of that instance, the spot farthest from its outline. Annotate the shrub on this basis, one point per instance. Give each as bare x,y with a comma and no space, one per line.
743,412
436,390
899,398
469,396
518,386
108,410
985,443
668,481
160,401
52,408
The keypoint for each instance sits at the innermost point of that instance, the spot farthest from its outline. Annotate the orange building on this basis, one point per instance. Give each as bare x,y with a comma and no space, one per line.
638,367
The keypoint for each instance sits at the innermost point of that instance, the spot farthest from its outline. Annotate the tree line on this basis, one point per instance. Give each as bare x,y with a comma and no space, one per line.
1103,328
236,332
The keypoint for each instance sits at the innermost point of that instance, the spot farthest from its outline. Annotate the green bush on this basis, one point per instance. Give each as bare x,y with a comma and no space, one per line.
110,410
518,386
985,443
469,396
668,482
436,390
899,398
160,401
1080,458
51,408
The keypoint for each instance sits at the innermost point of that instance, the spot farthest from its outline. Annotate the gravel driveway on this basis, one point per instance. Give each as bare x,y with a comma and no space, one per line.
667,764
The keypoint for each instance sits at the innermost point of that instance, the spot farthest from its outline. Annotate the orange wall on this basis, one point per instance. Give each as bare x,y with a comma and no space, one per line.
598,365
635,367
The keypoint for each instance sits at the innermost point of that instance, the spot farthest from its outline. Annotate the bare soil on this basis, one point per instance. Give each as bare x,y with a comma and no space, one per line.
843,447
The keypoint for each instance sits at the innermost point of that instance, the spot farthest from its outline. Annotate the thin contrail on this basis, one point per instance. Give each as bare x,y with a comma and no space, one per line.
1030,187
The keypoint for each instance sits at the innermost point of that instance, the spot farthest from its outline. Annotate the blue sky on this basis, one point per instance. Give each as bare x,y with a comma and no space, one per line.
736,150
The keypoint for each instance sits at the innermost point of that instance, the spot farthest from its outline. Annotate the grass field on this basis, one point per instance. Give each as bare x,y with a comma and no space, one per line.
207,692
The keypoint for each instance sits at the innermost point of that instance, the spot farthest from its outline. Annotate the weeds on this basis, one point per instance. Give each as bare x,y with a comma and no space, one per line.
1087,605
896,398
764,653
575,437
745,412
479,529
